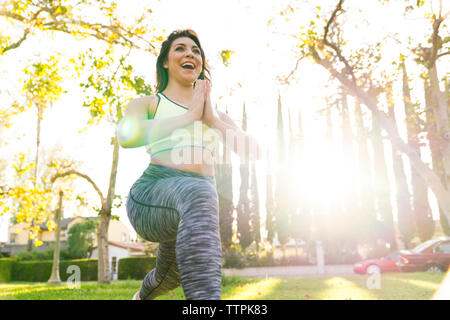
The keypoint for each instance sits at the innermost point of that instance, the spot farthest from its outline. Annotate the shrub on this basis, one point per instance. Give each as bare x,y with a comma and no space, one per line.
135,267
233,258
5,269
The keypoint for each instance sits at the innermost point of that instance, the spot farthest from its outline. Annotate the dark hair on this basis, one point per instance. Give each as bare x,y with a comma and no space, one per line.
162,76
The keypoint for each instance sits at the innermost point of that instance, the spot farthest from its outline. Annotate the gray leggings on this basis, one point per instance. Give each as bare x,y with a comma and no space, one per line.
179,210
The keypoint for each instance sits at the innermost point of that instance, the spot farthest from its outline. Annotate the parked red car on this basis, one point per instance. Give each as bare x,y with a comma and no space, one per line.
432,256
386,264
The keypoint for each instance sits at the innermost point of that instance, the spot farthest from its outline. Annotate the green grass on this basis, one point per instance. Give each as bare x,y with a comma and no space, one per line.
414,286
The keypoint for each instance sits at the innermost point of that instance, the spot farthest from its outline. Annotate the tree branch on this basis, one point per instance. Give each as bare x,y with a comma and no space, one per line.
70,172
335,48
442,54
17,43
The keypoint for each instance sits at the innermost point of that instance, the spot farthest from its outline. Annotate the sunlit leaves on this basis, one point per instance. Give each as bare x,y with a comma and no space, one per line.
110,84
226,55
43,82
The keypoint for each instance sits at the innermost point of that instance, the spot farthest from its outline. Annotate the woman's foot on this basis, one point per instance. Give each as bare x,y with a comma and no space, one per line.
136,296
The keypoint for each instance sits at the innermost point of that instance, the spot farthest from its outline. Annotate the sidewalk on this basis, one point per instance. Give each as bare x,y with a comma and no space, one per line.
291,271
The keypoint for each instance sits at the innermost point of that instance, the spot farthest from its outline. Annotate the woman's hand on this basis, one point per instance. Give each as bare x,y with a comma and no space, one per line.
210,116
198,99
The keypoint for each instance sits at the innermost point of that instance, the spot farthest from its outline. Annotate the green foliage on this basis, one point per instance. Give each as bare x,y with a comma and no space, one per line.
81,238
233,258
110,83
135,267
226,55
40,255
104,22
5,269
43,83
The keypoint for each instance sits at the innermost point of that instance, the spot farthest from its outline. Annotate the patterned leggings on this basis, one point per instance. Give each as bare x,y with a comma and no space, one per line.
179,210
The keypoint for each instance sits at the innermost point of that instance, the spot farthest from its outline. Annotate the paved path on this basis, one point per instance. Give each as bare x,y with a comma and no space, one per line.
291,271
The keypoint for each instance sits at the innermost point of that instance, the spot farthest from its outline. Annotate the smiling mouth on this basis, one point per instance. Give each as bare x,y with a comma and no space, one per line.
188,66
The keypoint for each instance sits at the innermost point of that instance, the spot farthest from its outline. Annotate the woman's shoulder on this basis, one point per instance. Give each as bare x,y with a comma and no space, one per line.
145,100
144,104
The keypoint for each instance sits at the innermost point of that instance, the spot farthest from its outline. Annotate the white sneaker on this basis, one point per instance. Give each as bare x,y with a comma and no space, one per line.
135,296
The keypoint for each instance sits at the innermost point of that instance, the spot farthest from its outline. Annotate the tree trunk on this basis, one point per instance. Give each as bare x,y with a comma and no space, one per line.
404,212
105,216
439,106
368,213
436,144
382,186
421,207
54,278
349,183
38,143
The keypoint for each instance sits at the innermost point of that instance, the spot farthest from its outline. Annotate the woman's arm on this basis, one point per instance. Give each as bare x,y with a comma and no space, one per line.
237,140
135,130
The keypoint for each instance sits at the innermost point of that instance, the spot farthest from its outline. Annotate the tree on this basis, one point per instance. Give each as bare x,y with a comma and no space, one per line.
301,220
54,277
367,214
349,193
41,88
328,53
243,206
382,186
254,209
81,239
224,178
282,211
270,218
404,211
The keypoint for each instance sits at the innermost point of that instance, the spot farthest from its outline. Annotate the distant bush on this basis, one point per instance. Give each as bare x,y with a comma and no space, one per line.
135,267
5,269
233,258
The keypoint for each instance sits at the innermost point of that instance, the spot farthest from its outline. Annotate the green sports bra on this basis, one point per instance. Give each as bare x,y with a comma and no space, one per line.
195,135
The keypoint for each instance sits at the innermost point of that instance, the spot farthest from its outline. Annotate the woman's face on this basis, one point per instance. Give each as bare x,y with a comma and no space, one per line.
184,61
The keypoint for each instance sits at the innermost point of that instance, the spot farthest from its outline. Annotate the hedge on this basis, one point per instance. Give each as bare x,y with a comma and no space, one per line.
40,271
135,267
5,269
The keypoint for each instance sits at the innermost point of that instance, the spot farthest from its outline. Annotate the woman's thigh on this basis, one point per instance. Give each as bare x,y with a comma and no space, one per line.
155,207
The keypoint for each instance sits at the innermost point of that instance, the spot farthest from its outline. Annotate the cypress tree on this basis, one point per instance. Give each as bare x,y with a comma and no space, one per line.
270,218
367,215
282,183
224,178
405,219
243,206
382,189
254,209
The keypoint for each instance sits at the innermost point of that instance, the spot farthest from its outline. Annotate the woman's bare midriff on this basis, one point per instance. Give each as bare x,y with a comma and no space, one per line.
197,160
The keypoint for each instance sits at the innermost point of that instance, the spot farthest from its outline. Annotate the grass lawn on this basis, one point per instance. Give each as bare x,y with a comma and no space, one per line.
414,286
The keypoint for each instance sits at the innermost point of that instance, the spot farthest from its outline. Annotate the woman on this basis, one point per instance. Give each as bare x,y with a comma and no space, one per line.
175,201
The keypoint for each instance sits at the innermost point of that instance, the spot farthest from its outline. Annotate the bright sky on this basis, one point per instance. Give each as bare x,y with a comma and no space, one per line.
261,53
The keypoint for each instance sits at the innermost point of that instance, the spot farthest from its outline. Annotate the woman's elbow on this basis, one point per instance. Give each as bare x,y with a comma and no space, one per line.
127,132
